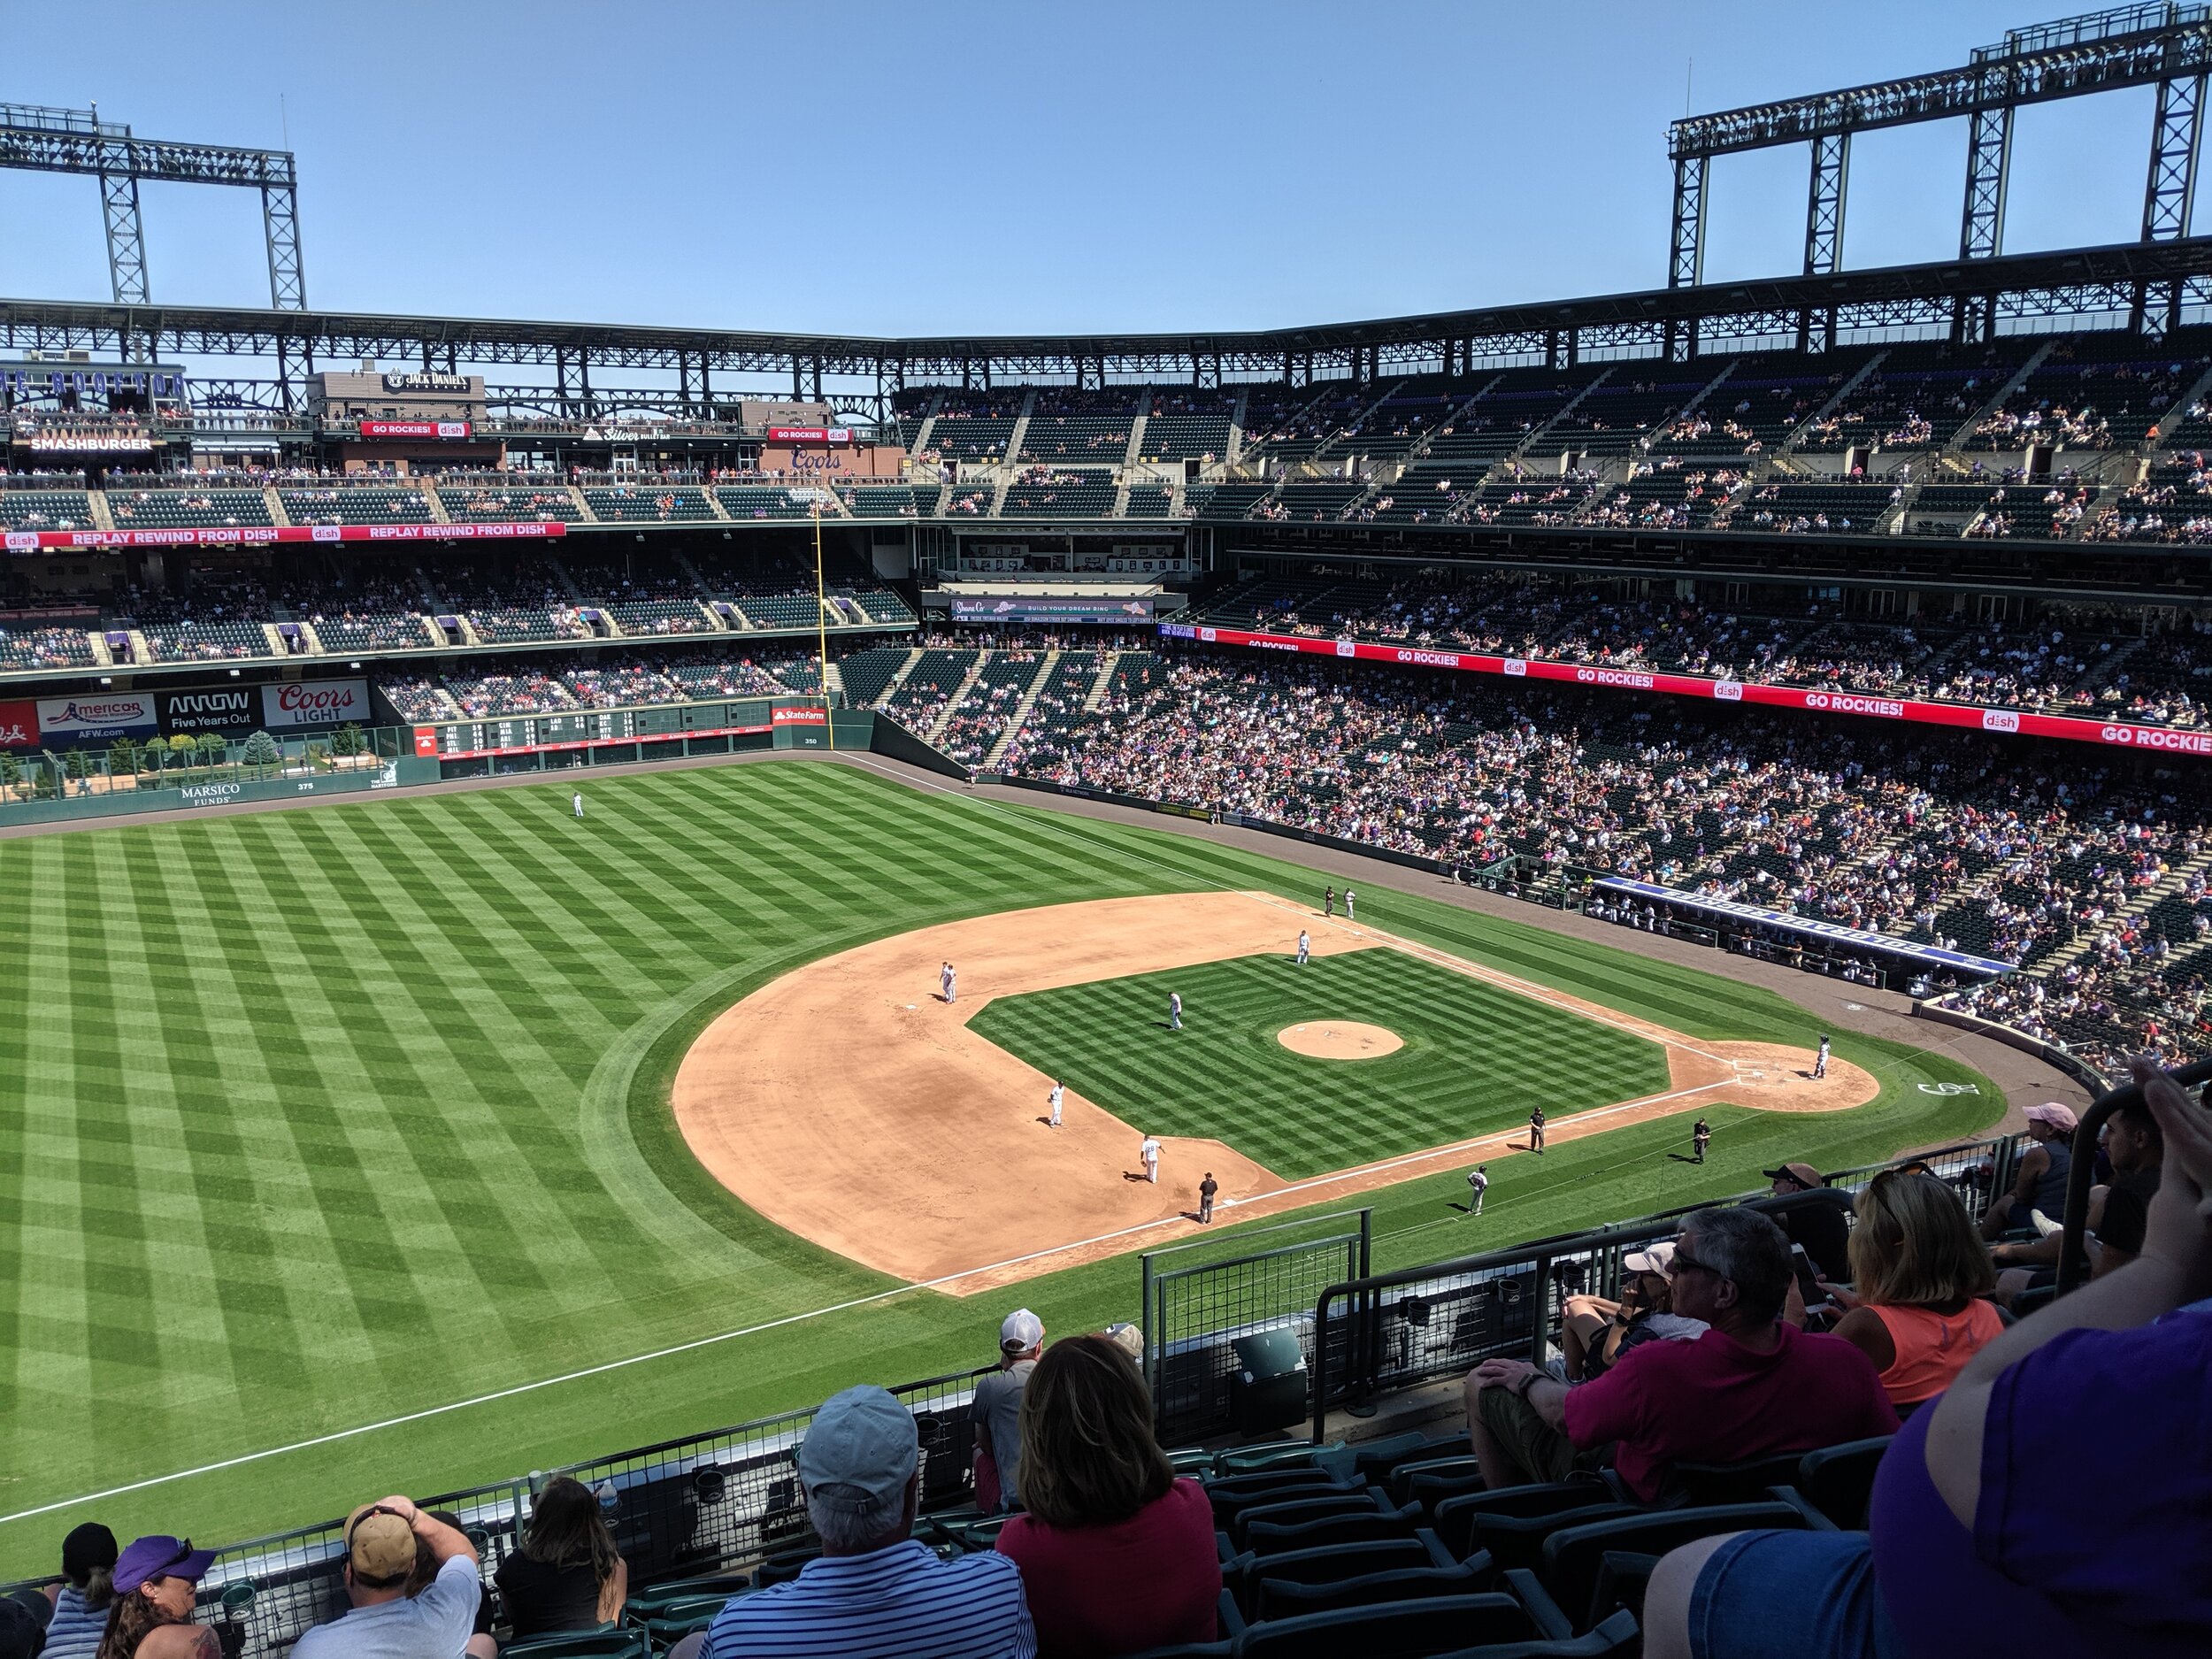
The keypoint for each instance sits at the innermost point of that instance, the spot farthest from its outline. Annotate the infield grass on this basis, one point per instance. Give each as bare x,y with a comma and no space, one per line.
317,1119
1477,1055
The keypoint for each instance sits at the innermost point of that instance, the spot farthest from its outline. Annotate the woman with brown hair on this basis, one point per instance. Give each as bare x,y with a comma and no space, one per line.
1117,1554
1917,1305
156,1584
566,1574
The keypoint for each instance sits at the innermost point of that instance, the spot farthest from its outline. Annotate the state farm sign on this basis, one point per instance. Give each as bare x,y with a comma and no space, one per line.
314,703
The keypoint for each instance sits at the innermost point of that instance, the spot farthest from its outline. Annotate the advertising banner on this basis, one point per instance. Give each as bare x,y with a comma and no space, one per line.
1107,612
809,435
70,722
18,724
219,535
799,714
302,703
1811,926
414,428
2122,733
226,708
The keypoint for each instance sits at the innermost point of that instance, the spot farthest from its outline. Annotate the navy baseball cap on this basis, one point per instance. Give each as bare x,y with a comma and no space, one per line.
160,1557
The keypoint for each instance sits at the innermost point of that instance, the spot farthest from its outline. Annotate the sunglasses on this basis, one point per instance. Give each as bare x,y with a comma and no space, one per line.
1684,1263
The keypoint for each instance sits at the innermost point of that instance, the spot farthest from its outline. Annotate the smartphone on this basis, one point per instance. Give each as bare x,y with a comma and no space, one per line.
1808,1282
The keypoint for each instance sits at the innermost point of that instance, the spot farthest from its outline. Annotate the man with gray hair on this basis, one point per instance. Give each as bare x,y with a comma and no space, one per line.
875,1593
1751,1386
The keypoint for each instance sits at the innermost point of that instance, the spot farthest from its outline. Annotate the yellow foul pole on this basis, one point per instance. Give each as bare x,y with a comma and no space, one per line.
821,624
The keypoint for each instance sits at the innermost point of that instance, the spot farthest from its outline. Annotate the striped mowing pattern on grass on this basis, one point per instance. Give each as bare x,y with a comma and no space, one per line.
1477,1056
312,1119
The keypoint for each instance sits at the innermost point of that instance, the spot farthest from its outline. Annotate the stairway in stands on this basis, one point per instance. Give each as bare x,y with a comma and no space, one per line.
1021,710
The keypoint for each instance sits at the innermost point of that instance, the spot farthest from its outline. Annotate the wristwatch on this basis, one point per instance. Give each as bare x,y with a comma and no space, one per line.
1527,1383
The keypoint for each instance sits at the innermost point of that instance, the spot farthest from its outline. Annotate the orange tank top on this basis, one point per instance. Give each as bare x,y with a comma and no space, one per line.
1933,1347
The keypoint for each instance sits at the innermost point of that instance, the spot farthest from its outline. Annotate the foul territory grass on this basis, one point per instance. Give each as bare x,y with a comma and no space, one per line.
319,1119
1477,1056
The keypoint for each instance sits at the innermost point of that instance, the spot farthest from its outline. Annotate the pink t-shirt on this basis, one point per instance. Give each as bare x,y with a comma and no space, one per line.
1144,1582
1716,1401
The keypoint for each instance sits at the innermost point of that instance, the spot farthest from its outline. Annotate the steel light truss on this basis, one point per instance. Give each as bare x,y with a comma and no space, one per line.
2168,45
41,140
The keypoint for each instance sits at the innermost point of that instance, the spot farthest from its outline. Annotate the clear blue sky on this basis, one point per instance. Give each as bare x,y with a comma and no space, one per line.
929,168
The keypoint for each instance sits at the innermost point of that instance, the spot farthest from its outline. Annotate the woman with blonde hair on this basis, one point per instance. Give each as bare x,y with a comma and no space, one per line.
1116,1554
1918,1303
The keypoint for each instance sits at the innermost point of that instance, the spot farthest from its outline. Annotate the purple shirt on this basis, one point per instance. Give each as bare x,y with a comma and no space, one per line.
2093,1532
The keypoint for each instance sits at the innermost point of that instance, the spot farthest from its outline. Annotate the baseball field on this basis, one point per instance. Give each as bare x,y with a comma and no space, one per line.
425,1141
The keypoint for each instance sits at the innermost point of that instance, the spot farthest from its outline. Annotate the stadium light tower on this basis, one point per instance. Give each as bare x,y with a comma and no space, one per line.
2165,44
37,139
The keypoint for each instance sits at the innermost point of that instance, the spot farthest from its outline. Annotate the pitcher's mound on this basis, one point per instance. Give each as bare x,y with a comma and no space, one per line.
1340,1039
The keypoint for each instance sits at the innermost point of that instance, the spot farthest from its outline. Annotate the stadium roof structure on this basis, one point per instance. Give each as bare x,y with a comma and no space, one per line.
2145,286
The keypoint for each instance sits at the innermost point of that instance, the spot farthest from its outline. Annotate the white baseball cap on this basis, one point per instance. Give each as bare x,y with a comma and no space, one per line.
1021,1332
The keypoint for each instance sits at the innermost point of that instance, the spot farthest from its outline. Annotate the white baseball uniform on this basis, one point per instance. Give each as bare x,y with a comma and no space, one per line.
948,981
1347,906
1478,1183
1053,1100
1820,1060
1305,946
1150,1153
1174,1011
576,802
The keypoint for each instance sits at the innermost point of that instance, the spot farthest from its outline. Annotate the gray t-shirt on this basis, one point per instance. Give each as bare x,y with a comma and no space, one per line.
997,1406
435,1624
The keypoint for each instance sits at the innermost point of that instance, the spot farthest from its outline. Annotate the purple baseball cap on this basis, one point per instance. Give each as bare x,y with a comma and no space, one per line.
160,1557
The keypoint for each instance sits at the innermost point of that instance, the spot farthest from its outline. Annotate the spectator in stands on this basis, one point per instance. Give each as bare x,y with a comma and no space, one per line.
1821,1228
1749,1386
81,1609
1918,1303
566,1574
1598,1332
1990,1529
2136,1149
22,1630
157,1582
388,1618
1105,1512
2040,1183
996,1409
875,1593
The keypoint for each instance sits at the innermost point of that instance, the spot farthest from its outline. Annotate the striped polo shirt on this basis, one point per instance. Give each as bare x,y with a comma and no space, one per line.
896,1603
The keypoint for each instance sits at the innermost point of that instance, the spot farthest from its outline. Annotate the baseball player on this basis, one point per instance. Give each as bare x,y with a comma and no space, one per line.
1328,900
948,983
1820,1060
1701,1137
1536,1130
1478,1184
576,805
1053,1100
1206,1188
1174,1010
1347,906
1305,947
1150,1153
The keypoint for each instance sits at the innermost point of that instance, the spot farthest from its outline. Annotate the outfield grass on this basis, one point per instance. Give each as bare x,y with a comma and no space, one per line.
1477,1057
314,1119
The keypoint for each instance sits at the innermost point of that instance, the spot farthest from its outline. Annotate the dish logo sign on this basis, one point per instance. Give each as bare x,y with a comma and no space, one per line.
1517,667
1345,647
1728,690
314,703
2000,720
95,717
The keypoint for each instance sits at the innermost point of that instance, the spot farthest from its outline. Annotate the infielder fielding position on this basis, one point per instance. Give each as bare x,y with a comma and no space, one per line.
1053,1102
1149,1152
948,983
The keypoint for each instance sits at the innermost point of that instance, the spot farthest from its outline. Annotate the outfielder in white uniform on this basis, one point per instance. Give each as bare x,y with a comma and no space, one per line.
1347,906
948,982
1150,1153
1305,946
576,805
1174,1010
1053,1100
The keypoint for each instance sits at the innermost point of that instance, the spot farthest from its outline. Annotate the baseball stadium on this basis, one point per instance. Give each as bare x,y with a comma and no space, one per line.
1461,984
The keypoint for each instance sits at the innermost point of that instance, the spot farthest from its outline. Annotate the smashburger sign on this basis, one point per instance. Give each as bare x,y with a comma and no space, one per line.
2163,739
314,703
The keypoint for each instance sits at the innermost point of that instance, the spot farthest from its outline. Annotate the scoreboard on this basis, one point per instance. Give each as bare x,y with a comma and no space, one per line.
587,728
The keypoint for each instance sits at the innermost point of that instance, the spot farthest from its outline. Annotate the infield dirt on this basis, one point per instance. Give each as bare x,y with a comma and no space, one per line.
848,1103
